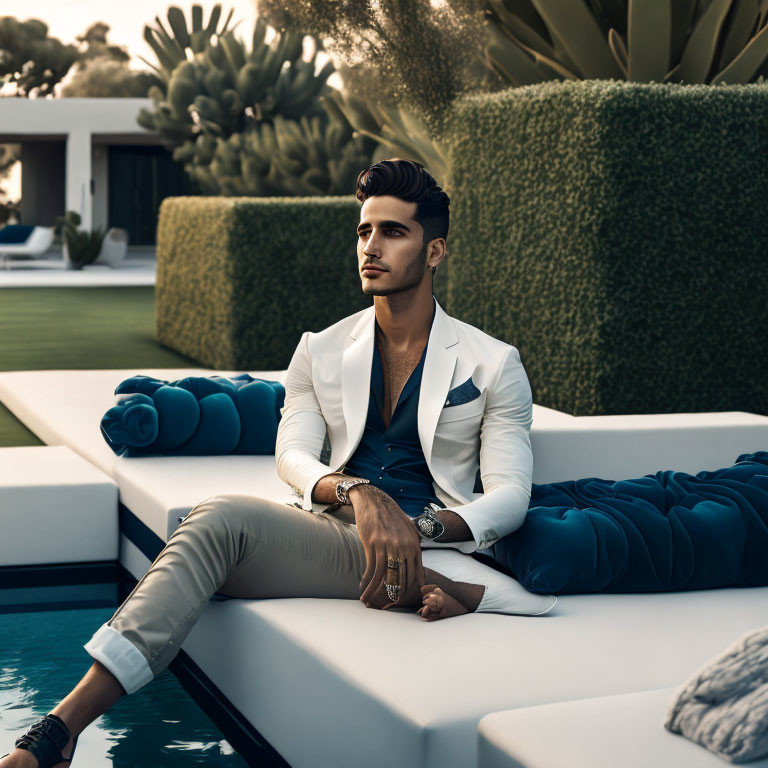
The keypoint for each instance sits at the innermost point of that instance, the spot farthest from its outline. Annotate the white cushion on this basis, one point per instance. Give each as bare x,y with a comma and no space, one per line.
605,732
333,683
55,507
621,447
158,490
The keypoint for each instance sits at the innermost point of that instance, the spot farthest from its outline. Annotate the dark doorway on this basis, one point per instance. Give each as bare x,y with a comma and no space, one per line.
140,178
42,182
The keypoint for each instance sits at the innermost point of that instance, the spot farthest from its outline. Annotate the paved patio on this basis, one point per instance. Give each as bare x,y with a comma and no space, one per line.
137,269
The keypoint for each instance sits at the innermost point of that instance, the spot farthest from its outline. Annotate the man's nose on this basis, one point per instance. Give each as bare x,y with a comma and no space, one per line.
371,247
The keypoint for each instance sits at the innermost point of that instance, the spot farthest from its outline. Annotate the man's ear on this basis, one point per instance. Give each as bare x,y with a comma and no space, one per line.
436,248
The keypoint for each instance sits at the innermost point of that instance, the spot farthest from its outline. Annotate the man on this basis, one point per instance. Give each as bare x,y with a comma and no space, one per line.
467,399
414,403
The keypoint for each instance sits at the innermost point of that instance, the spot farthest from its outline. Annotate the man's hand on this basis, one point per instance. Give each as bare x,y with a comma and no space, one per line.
385,530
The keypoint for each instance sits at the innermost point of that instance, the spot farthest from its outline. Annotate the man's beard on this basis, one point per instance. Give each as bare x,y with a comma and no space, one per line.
413,275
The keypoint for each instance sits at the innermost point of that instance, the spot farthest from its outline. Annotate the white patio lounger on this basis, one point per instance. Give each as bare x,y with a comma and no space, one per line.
38,242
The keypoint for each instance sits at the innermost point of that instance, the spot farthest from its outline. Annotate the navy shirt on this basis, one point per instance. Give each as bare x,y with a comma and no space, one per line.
392,457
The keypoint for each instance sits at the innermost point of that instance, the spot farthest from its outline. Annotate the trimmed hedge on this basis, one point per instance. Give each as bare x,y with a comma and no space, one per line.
240,279
616,233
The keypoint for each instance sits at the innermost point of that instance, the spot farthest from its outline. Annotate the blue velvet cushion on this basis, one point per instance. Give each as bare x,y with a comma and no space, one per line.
15,234
665,532
194,416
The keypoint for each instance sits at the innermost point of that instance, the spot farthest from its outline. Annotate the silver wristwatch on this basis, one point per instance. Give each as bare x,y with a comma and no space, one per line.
343,486
428,526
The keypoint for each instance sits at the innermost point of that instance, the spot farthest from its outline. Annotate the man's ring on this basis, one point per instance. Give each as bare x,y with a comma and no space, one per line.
392,592
393,564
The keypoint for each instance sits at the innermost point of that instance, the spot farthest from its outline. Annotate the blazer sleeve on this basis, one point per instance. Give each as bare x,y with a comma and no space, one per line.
302,428
506,459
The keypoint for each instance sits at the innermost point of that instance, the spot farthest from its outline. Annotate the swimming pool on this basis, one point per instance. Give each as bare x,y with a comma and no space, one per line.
42,659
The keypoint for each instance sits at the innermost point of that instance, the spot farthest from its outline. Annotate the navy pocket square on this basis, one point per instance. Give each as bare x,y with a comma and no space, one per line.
464,393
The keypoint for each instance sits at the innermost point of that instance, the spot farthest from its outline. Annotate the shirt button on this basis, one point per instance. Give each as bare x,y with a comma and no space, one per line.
380,477
389,448
382,467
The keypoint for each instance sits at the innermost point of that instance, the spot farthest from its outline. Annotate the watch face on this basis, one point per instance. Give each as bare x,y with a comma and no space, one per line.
429,527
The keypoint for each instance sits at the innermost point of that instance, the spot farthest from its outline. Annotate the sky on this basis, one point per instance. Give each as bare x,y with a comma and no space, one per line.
68,19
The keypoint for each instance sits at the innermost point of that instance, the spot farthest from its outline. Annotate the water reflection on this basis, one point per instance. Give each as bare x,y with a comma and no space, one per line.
42,659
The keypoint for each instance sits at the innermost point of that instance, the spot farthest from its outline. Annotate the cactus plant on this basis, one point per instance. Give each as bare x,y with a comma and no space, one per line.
225,88
252,122
171,48
311,156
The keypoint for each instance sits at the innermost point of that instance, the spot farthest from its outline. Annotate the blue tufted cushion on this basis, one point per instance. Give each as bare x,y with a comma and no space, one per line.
194,416
669,531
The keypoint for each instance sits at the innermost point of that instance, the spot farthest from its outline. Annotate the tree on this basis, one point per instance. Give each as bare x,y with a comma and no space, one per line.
102,69
94,45
423,53
30,60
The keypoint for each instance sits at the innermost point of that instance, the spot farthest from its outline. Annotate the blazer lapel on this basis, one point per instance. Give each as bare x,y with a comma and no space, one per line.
356,363
436,377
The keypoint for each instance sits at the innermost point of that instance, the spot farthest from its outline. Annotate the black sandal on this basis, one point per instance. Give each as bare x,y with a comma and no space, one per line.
46,739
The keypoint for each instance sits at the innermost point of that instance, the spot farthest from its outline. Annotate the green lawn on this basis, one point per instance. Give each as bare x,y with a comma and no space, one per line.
77,328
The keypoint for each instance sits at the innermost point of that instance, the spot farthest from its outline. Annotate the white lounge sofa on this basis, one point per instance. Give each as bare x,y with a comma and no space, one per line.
332,683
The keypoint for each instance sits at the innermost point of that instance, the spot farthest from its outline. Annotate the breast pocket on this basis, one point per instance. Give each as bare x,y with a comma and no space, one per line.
472,409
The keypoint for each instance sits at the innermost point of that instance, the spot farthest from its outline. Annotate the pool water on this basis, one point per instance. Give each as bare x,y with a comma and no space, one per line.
42,658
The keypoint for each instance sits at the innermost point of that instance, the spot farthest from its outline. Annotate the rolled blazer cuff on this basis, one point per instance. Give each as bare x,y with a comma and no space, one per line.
492,516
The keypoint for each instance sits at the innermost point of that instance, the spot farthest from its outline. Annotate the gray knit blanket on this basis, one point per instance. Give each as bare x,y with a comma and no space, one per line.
724,706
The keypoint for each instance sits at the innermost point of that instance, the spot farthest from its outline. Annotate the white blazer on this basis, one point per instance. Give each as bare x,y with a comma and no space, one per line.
327,390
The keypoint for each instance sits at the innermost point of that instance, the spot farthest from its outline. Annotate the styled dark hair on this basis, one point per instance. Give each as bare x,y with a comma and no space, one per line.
409,181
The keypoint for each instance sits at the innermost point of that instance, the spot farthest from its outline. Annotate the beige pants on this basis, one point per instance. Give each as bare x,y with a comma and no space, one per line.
238,546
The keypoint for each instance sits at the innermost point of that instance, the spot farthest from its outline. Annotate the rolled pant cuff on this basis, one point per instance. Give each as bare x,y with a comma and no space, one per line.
120,657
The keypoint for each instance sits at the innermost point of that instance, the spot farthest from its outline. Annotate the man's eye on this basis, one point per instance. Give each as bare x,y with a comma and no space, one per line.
396,231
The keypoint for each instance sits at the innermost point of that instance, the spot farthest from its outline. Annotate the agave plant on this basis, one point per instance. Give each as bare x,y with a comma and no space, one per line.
682,41
82,247
393,127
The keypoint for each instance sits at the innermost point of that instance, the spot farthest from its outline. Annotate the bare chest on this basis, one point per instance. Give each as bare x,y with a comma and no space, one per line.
397,368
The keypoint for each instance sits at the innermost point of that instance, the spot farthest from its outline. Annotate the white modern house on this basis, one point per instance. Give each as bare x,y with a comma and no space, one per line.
92,157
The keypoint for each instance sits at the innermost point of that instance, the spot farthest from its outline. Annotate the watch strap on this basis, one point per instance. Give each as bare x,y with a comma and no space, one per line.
343,487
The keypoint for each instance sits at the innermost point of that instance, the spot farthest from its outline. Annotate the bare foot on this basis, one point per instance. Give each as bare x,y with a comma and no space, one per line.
439,604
